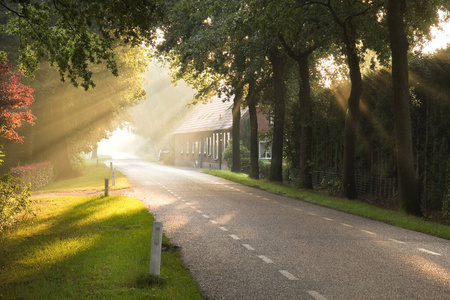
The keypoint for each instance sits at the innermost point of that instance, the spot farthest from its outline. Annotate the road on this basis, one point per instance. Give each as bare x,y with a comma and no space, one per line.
244,243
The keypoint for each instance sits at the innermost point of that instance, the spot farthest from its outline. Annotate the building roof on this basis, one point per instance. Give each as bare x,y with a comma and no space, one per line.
214,115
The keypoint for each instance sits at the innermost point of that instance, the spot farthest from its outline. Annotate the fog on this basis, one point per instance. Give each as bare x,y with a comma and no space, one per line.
150,123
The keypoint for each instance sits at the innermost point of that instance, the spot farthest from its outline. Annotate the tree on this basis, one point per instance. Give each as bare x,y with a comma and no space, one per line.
278,62
347,18
300,41
407,182
15,97
73,36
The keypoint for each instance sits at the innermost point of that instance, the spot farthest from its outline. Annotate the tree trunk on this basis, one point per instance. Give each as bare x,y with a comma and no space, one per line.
351,116
407,182
254,157
305,180
236,166
94,153
276,166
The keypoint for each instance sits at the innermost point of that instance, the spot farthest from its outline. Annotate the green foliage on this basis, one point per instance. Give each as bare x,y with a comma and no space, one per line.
264,168
245,156
14,201
76,36
446,198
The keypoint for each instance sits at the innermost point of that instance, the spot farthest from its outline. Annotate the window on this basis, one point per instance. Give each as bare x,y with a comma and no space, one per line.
216,146
187,147
209,146
205,146
193,148
181,147
265,151
196,147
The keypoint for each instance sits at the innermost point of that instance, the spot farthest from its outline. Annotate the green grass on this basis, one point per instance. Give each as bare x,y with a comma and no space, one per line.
396,218
93,179
88,248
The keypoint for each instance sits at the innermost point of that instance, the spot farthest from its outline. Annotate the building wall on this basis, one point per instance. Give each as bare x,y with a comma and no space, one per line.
201,149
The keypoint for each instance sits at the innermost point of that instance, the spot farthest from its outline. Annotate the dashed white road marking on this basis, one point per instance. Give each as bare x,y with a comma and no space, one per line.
288,275
368,232
248,247
187,203
212,221
199,211
312,214
182,200
234,237
328,219
316,295
397,241
298,209
223,228
346,225
205,216
266,259
429,251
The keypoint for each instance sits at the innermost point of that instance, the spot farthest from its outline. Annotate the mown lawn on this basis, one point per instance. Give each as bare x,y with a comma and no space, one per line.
88,248
93,179
396,218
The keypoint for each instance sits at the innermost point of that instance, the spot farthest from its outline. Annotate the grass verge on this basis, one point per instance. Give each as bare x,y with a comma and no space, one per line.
92,179
88,248
396,218
85,248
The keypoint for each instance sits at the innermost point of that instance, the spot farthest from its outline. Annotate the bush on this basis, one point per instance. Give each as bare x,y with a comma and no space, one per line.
245,156
37,175
14,201
264,168
446,200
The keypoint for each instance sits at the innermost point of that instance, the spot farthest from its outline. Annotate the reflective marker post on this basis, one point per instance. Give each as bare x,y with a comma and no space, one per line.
113,177
155,255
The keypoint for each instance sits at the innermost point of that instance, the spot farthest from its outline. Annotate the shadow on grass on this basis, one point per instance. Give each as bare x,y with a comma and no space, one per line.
91,249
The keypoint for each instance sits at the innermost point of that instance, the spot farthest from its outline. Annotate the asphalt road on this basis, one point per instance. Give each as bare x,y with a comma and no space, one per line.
243,243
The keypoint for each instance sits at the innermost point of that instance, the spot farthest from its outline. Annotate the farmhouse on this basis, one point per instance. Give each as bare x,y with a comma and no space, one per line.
205,133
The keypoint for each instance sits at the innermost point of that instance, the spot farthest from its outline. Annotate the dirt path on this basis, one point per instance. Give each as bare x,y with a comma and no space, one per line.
119,192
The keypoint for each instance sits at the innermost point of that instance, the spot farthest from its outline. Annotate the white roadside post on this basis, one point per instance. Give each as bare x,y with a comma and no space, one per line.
113,177
155,255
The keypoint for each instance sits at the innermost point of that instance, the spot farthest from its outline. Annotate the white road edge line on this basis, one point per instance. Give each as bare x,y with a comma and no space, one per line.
288,275
248,247
429,252
266,259
316,295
